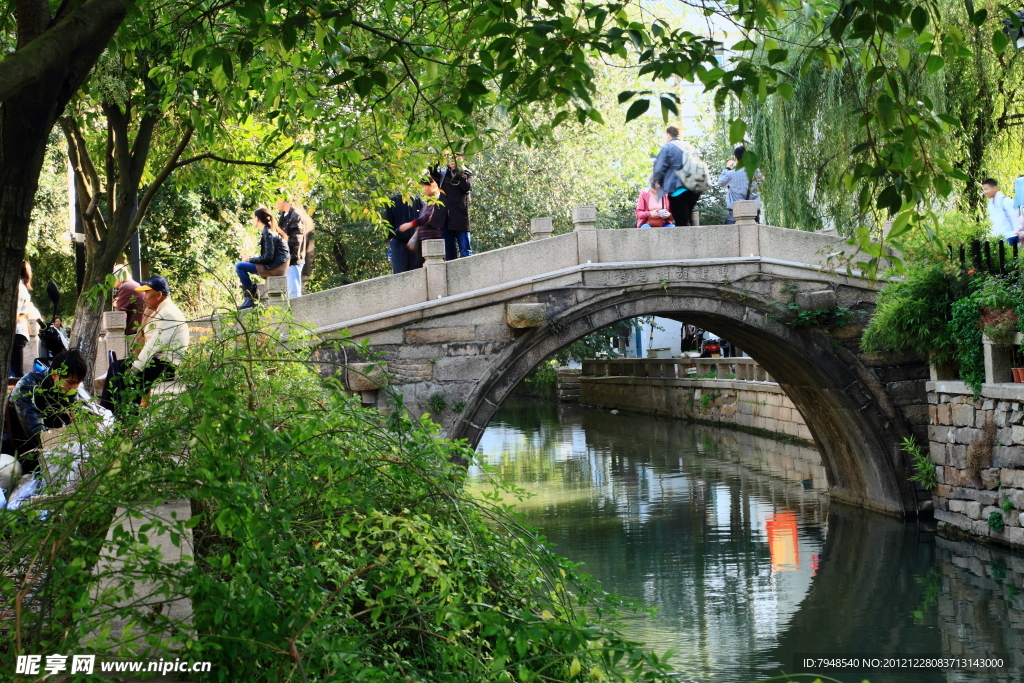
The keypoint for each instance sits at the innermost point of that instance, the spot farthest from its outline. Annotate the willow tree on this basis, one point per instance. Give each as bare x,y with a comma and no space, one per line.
805,142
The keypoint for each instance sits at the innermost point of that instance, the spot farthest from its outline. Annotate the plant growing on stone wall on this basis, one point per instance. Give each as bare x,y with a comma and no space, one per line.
995,521
706,400
437,403
791,313
924,471
459,406
979,455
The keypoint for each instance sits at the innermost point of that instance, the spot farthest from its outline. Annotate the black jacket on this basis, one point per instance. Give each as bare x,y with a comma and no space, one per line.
291,223
39,407
398,213
273,250
453,213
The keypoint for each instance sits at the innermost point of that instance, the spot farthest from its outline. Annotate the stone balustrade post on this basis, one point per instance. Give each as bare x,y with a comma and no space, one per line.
745,212
584,218
695,218
435,268
998,362
541,228
276,293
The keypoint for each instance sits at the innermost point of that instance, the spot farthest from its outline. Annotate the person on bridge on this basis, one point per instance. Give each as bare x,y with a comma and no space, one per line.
451,216
677,164
400,216
422,227
273,259
737,184
291,222
1006,221
652,211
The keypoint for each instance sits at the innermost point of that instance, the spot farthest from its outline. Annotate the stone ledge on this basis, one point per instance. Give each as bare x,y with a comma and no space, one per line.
738,385
1007,391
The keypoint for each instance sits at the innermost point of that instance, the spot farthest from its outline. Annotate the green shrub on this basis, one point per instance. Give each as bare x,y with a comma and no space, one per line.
912,314
331,542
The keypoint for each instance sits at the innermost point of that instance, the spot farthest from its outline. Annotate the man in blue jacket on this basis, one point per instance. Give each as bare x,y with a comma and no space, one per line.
669,160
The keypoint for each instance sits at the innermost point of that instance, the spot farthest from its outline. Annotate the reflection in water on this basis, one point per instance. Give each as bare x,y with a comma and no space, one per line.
733,539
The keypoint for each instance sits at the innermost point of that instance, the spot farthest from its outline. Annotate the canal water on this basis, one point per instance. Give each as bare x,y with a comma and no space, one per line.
733,539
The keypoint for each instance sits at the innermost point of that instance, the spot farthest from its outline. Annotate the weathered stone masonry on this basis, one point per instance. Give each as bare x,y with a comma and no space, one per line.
977,449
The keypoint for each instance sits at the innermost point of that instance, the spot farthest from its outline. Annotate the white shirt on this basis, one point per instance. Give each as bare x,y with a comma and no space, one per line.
1005,219
166,335
27,312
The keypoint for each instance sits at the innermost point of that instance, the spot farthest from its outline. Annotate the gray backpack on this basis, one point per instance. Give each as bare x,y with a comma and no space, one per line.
694,172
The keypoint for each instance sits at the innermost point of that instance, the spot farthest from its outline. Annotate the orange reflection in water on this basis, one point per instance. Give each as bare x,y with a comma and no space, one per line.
782,541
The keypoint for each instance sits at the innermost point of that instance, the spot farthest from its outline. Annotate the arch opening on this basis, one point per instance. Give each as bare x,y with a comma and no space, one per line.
853,423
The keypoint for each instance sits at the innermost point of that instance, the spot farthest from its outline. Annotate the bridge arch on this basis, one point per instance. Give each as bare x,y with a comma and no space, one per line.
854,423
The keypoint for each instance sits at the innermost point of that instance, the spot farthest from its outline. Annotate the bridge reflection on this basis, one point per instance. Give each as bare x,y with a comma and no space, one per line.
734,540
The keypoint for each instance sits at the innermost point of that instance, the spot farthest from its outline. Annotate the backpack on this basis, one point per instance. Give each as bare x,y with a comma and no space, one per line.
694,172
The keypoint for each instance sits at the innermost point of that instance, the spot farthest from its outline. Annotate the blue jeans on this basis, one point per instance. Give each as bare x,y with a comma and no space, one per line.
1013,241
243,269
648,225
455,239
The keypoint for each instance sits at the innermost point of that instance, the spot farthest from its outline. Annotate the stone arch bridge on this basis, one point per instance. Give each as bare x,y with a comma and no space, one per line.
470,330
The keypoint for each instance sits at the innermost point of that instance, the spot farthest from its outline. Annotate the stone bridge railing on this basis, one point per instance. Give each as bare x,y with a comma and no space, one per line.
742,369
698,253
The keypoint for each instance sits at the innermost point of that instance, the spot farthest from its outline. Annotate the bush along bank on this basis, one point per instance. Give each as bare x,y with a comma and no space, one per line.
330,542
942,309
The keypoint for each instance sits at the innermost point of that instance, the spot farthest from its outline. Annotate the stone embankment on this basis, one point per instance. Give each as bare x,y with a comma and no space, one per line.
977,449
722,391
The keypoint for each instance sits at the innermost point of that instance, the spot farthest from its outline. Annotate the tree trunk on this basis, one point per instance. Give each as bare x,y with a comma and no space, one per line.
27,115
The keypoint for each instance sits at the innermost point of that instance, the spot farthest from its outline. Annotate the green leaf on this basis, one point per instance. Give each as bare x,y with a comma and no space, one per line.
999,42
785,90
626,95
979,17
903,57
934,64
744,46
737,130
901,225
776,56
637,109
919,19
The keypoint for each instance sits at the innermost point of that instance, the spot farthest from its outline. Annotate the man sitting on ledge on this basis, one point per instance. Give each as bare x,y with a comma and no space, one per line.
166,336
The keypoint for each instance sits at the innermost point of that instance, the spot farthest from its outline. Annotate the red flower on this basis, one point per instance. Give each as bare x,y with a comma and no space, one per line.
970,272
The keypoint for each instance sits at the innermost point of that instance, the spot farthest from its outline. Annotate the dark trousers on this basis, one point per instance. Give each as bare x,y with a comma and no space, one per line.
681,207
400,256
456,244
18,355
156,370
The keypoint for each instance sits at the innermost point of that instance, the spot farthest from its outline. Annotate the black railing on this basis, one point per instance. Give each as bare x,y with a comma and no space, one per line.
988,257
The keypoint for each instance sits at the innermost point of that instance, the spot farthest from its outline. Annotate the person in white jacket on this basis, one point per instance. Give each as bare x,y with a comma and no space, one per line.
25,325
166,333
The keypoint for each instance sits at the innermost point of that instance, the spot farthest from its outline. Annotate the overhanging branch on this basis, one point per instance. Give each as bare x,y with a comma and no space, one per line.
238,162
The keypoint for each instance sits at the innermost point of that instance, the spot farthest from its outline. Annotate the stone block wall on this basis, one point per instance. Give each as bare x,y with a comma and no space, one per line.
977,449
756,406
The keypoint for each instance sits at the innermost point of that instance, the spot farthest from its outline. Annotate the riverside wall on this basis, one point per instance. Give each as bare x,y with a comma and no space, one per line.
759,407
976,445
